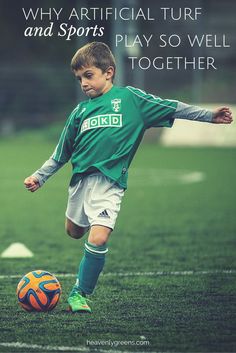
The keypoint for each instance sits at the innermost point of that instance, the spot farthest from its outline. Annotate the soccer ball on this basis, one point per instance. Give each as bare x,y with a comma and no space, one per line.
38,291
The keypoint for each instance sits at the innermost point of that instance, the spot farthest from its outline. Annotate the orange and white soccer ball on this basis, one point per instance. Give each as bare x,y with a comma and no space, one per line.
38,291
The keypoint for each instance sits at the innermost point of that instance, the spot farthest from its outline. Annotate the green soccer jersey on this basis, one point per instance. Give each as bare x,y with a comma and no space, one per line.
103,133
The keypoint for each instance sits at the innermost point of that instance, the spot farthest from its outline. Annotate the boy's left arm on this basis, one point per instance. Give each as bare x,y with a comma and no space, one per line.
222,115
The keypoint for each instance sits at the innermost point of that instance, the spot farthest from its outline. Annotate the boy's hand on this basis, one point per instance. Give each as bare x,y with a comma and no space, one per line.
222,115
31,183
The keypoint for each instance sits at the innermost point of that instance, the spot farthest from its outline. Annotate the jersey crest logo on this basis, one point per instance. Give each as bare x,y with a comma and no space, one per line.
116,104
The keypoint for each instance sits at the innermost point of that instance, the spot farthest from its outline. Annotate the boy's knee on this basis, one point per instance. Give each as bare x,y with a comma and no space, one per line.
75,231
98,240
99,235
73,234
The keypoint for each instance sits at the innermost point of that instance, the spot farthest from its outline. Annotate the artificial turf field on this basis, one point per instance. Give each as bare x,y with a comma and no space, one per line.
145,301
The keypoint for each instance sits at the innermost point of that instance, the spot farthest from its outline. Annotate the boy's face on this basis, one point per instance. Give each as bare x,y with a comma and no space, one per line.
93,81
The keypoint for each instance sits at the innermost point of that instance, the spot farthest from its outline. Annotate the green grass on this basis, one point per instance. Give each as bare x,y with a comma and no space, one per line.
163,225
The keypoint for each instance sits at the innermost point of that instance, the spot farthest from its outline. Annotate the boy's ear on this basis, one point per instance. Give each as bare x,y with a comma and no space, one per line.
110,72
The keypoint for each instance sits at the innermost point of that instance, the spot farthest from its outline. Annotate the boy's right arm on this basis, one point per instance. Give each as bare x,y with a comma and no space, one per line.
38,178
60,156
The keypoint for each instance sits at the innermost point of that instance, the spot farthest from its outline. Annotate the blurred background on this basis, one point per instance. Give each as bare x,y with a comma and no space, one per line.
37,87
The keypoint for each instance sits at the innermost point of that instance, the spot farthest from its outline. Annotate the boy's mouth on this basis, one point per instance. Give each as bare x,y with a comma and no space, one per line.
88,90
91,92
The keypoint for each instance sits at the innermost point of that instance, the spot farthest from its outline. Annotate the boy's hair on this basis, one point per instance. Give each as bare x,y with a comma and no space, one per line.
96,54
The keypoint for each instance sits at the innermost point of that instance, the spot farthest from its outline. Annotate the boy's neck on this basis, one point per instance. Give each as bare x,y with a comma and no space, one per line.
108,88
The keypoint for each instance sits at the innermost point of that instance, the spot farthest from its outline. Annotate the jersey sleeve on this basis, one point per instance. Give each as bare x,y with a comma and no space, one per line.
155,111
64,148
50,167
191,112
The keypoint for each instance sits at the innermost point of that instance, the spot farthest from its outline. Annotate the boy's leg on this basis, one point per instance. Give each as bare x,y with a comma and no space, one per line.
90,267
95,202
93,260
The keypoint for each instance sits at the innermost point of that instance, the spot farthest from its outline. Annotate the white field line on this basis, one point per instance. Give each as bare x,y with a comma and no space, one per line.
40,348
143,274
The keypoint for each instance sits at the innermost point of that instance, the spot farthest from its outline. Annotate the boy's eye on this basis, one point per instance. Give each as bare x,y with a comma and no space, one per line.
87,75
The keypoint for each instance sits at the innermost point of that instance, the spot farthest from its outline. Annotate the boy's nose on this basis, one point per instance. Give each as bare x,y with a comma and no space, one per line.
84,83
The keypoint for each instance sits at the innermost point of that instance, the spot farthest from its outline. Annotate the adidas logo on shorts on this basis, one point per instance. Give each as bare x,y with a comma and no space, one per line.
104,214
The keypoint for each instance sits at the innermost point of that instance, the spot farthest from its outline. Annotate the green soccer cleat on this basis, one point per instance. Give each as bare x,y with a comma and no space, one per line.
77,303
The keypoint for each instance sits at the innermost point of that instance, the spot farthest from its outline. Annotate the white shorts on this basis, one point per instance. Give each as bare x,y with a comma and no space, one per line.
94,200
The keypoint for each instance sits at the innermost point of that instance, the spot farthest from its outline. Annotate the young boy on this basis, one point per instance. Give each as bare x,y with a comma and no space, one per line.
100,138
